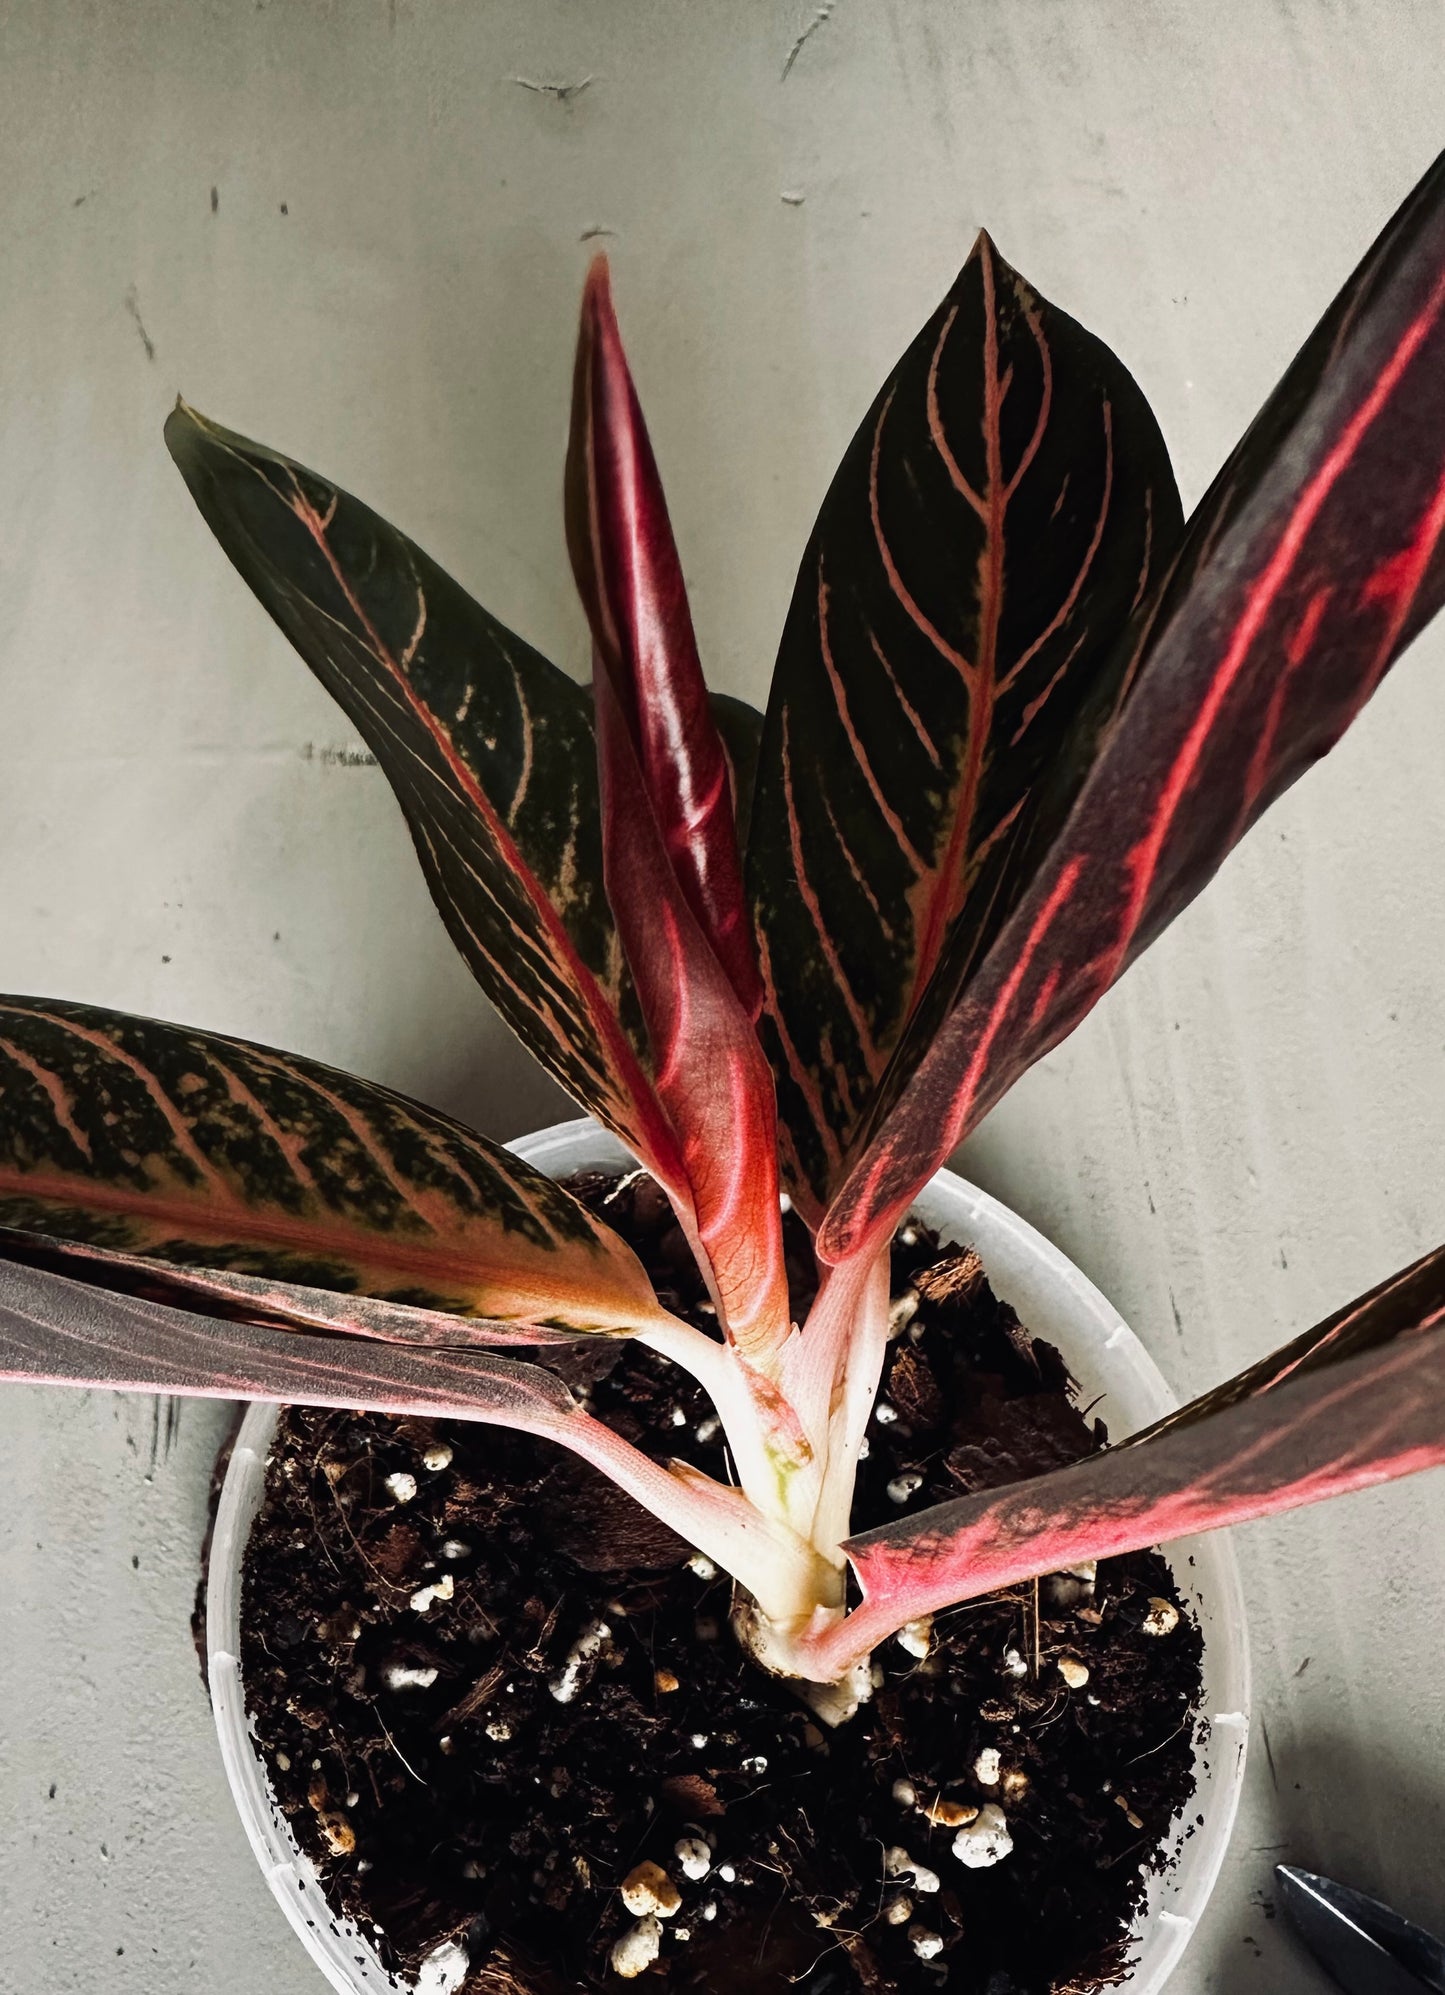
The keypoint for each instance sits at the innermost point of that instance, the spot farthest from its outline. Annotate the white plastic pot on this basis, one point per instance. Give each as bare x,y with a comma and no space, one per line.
1056,1302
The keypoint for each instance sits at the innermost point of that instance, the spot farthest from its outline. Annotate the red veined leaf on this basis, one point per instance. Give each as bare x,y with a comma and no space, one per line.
670,856
487,746
231,1297
630,579
1369,1408
136,1138
59,1332
1000,512
712,1078
1307,570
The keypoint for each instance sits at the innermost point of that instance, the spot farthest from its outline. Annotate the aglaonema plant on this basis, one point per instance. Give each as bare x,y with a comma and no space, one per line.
1021,713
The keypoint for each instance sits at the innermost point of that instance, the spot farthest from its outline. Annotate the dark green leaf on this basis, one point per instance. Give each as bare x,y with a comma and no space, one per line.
994,522
488,747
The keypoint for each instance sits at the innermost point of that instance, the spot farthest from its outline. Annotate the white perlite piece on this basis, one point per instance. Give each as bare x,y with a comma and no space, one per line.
694,1857
702,1566
905,1793
927,1945
443,1969
898,1863
986,1767
436,1458
898,1911
1014,1664
1162,1618
456,1548
499,1729
984,1842
637,1949
401,1485
440,1589
916,1637
647,1888
1074,1673
568,1680
401,1676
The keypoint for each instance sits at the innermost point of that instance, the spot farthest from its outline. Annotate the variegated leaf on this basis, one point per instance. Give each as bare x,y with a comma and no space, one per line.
629,576
1364,1409
488,747
142,1139
1000,512
1414,1299
232,1297
59,1332
1312,563
669,843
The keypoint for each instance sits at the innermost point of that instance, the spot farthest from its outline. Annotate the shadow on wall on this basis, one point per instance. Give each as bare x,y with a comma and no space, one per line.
493,1084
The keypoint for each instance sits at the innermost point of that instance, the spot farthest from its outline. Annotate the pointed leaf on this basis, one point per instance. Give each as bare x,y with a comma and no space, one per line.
630,579
488,748
1000,512
670,855
59,1332
162,1142
1305,574
1360,1418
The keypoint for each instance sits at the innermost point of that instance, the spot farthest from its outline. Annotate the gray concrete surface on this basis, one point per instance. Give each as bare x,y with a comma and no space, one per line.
354,229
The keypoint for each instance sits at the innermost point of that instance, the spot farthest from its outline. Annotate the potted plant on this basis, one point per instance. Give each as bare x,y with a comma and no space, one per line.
1021,713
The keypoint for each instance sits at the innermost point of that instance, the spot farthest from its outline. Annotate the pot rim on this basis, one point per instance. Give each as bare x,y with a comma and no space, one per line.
1055,1300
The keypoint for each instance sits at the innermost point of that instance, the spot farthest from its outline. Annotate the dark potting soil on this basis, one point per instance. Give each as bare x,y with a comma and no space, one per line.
417,1595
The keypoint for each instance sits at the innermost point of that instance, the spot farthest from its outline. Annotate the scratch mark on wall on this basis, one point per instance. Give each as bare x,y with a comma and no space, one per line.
820,15
565,93
132,305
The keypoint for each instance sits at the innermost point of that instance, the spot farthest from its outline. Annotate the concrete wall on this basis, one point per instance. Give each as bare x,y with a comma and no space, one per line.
354,229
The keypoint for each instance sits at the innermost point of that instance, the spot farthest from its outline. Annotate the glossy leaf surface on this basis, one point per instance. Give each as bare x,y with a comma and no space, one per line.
1363,1413
488,747
741,728
712,1078
1313,561
1000,512
630,579
158,1141
669,845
